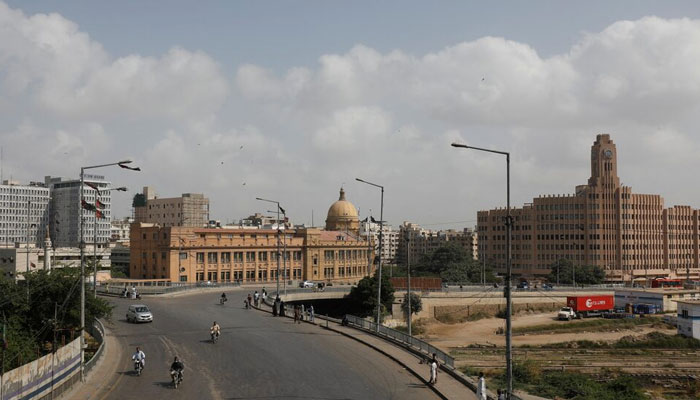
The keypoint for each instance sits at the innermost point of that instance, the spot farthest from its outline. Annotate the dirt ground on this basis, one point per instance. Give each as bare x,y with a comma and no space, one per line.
484,332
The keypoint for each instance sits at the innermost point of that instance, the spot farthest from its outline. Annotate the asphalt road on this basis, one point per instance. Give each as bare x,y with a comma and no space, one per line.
257,356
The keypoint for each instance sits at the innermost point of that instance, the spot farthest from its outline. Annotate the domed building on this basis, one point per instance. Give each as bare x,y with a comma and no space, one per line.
342,216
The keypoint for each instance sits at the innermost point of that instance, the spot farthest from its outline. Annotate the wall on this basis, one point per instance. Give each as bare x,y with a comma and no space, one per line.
39,377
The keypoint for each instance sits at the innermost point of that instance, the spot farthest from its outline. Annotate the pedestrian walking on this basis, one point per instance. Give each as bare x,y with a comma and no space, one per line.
501,394
433,370
250,300
311,313
282,308
256,296
302,312
481,387
276,307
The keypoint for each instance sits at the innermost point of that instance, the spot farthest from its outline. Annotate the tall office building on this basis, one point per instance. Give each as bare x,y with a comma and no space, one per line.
390,239
65,211
631,236
23,213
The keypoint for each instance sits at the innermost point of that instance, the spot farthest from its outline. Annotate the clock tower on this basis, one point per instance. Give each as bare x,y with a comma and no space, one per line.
604,163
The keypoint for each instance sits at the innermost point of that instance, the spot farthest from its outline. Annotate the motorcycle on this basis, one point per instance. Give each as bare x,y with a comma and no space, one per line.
214,336
138,367
176,377
222,300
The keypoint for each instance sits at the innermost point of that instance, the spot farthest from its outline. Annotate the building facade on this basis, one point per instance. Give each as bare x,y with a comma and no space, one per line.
24,213
390,239
120,230
66,212
689,318
190,209
631,236
415,241
189,254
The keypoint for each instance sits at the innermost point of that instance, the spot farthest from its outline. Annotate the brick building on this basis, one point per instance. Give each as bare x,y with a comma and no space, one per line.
631,236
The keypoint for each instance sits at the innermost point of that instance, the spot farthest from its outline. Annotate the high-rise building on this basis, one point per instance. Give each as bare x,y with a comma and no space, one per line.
419,241
631,236
24,213
190,209
390,239
66,211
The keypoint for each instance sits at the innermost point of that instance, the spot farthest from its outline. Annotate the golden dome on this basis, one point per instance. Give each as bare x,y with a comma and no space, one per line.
342,215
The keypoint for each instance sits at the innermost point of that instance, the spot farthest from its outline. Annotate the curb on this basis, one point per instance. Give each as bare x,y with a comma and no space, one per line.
409,369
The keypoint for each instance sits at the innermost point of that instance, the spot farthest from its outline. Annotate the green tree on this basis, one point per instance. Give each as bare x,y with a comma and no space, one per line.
362,299
585,274
416,303
453,263
29,314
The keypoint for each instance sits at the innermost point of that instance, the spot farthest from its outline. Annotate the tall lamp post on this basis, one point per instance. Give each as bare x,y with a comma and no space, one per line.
122,164
408,278
381,237
278,238
509,227
284,250
94,241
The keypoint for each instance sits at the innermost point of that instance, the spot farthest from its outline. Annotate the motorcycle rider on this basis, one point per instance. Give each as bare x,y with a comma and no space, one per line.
215,330
177,367
223,298
140,357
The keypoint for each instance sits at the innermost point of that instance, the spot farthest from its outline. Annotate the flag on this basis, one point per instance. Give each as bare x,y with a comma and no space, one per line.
373,220
33,265
128,167
99,214
92,185
282,209
88,206
99,205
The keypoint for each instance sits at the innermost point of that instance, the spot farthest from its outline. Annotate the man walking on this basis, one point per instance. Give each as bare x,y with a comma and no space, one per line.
311,313
481,387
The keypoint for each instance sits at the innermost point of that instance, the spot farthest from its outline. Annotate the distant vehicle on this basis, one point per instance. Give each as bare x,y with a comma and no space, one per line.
307,284
206,284
666,283
523,285
139,313
586,306
646,309
547,286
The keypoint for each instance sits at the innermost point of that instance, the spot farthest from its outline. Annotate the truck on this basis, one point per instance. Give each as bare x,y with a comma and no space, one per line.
586,306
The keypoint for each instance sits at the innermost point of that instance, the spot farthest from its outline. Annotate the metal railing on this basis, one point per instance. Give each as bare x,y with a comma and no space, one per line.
97,331
404,338
118,289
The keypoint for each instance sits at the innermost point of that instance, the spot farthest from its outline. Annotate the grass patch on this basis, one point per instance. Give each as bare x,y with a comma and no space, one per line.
652,340
591,325
528,376
417,328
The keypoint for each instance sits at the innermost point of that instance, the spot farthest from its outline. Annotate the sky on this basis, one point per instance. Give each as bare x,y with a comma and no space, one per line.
292,100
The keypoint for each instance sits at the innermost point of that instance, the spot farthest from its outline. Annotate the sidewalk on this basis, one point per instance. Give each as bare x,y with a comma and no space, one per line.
103,377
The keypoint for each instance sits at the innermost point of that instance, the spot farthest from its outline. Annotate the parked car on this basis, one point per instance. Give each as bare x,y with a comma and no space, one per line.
139,313
307,284
523,285
547,286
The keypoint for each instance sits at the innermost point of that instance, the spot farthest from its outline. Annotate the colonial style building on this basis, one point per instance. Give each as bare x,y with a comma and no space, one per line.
632,236
190,254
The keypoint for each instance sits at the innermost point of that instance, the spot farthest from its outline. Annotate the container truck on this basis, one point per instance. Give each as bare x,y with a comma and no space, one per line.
586,306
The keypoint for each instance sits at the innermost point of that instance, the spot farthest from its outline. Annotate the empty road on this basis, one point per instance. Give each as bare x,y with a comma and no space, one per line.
257,357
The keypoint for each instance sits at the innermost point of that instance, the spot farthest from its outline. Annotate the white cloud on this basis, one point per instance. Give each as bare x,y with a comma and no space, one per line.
386,117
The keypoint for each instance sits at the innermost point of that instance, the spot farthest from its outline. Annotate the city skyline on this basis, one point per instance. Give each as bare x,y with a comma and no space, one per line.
294,112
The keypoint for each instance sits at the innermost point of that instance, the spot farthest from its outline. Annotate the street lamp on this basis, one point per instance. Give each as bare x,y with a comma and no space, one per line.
278,238
381,237
509,227
121,164
284,249
94,241
408,278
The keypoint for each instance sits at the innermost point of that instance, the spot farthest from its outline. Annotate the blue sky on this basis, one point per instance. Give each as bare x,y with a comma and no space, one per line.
290,100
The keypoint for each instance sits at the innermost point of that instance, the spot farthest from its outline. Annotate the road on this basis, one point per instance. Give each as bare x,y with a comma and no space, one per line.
257,357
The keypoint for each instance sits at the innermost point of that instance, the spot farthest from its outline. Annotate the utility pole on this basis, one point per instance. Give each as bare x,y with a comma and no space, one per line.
408,273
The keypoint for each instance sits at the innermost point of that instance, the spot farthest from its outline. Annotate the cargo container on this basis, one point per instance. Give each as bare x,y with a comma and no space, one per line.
588,306
422,283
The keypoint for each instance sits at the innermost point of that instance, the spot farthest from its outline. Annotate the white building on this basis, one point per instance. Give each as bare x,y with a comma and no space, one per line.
24,213
689,318
661,297
390,239
14,262
65,211
120,229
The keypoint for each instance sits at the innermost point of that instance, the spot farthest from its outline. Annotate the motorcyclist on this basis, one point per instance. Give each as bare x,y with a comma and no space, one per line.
177,367
223,298
139,356
215,330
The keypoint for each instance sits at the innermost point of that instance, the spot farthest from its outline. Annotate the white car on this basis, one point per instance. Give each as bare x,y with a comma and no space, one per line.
139,313
307,284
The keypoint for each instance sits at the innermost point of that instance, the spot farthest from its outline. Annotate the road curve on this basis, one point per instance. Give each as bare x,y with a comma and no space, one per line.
257,357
